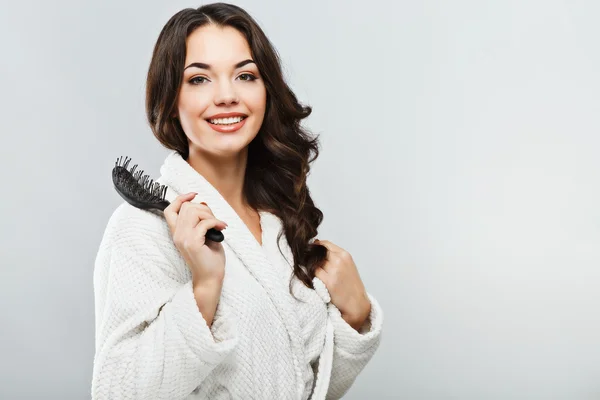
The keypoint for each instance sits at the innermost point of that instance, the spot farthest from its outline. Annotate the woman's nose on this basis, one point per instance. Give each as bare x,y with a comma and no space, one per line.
226,94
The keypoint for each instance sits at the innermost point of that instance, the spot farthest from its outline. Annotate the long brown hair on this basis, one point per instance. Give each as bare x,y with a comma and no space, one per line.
278,158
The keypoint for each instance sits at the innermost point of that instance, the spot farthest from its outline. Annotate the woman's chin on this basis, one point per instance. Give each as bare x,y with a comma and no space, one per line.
229,147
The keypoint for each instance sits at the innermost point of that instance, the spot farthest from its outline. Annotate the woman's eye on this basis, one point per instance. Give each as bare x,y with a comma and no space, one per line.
200,79
250,77
194,80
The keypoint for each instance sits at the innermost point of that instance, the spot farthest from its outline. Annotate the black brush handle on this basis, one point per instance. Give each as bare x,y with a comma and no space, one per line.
214,235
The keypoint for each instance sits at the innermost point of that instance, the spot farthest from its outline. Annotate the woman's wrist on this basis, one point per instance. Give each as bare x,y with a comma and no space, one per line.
207,295
206,283
357,320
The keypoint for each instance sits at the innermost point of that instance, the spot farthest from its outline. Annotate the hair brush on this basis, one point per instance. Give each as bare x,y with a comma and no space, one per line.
141,192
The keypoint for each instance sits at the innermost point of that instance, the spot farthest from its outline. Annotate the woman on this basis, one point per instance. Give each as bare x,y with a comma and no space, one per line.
269,313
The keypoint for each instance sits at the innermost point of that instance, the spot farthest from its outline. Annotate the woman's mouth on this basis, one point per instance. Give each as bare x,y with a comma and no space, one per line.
227,125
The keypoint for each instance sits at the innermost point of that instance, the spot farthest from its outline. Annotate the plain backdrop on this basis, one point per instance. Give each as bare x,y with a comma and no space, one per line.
459,167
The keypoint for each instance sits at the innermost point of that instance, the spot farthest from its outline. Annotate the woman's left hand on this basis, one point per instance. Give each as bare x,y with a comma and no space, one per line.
346,289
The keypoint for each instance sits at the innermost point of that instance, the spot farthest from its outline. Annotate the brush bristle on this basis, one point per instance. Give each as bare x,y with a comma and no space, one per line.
134,184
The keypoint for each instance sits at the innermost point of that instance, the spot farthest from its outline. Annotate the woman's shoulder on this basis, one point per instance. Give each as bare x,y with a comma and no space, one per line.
137,239
129,223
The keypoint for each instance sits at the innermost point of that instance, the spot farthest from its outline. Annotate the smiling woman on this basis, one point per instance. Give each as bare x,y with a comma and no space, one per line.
181,317
222,85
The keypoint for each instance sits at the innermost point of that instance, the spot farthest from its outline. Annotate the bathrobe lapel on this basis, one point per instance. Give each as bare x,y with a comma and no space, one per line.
181,178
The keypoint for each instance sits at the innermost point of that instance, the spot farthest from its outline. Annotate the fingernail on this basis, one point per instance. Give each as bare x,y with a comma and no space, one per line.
203,203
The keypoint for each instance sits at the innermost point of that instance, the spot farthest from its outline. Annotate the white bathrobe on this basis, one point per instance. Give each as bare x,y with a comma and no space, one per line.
153,343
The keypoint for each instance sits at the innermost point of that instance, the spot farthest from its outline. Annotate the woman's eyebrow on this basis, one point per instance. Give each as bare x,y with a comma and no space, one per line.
207,66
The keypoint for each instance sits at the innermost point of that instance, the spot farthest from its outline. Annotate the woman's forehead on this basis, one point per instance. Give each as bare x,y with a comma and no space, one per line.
221,46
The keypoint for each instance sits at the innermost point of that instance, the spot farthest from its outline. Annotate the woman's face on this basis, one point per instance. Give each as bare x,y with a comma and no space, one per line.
215,82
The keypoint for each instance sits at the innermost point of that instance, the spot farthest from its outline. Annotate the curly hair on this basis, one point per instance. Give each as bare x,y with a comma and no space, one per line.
279,157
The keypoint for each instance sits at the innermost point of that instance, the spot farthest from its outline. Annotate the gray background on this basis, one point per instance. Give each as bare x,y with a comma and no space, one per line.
464,133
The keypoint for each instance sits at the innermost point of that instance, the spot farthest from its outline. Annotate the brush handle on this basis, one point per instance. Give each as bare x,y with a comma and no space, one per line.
215,235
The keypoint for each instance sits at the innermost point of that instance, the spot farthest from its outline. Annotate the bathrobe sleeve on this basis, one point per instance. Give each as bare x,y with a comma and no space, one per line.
151,339
352,349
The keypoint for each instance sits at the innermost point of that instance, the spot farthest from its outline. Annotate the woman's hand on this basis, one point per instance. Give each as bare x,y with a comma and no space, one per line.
346,289
189,223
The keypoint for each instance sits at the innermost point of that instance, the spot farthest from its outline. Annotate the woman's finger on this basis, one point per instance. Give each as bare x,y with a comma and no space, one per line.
172,210
203,226
322,275
191,214
330,246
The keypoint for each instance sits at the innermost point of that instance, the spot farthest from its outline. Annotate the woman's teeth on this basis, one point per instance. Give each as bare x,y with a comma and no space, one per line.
226,121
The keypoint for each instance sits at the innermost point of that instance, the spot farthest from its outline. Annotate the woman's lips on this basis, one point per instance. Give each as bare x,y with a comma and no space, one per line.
227,128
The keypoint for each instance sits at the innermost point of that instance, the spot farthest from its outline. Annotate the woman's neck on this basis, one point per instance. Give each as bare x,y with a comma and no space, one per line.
224,174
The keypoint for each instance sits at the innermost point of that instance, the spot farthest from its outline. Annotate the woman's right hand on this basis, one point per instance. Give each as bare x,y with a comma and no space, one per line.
189,223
